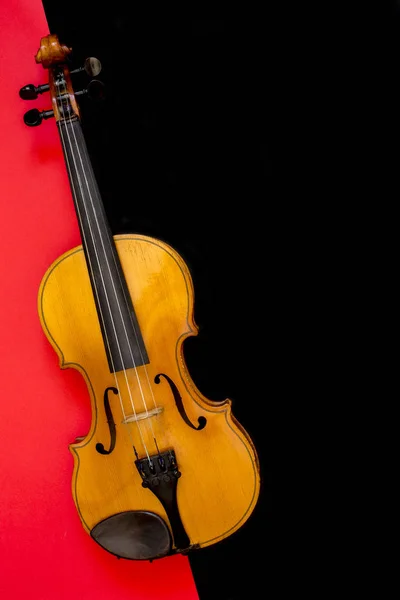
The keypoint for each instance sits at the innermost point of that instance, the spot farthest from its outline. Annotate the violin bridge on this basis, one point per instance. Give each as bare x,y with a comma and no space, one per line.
143,415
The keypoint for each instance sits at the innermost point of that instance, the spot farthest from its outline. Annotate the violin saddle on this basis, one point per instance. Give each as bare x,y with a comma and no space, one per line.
134,534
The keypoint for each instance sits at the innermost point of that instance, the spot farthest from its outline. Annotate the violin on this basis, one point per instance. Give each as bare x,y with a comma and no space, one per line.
163,469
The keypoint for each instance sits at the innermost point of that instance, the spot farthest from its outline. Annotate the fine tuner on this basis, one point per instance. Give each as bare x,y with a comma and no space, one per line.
95,91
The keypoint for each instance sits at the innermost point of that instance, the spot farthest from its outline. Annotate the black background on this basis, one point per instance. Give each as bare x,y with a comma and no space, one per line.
180,148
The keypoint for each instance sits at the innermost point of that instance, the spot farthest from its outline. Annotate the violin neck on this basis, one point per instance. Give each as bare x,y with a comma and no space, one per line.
123,341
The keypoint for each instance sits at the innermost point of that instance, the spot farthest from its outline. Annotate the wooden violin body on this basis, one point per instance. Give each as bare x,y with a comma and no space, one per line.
219,485
162,469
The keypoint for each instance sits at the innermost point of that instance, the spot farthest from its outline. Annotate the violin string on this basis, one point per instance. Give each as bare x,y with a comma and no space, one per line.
131,321
91,269
117,303
133,327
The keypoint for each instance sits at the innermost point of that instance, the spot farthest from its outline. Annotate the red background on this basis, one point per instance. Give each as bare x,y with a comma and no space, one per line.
44,551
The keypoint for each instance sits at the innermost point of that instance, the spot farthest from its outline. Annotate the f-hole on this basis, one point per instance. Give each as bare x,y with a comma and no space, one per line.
111,423
179,404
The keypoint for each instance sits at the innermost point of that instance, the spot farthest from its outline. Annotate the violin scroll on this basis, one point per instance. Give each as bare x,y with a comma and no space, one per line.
51,52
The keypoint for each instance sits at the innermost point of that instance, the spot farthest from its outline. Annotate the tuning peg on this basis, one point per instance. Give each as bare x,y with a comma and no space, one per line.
92,66
30,92
95,90
34,117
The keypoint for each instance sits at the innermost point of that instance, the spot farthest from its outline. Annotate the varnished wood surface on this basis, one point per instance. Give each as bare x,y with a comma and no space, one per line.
220,482
51,52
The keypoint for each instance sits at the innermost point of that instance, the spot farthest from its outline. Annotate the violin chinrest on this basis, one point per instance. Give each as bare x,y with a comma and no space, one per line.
134,534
